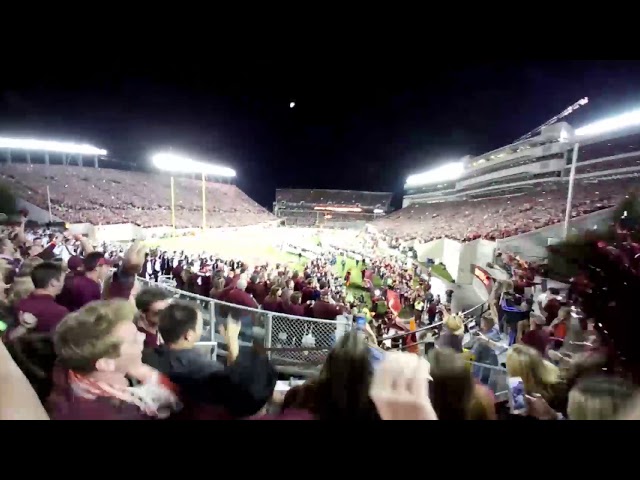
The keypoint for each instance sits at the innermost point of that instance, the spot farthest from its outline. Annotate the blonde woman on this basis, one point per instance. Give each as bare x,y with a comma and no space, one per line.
540,377
452,333
20,289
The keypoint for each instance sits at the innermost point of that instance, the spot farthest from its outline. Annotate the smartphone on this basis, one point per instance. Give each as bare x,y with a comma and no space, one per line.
375,355
517,402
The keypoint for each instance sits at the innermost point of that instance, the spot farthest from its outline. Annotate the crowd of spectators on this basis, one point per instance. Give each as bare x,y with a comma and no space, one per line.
334,198
83,341
105,196
503,216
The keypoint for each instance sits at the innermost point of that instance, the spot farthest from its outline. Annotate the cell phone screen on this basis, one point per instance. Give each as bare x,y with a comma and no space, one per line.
375,355
517,400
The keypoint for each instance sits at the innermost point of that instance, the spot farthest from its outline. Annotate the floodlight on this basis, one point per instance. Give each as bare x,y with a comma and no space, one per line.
448,171
50,146
180,164
610,124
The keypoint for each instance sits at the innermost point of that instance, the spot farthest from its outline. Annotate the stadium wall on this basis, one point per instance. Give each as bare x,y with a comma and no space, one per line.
451,252
432,249
482,282
124,232
35,213
478,252
457,257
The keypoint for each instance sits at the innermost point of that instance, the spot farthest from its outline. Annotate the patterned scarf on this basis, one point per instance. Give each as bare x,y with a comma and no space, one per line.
155,398
141,323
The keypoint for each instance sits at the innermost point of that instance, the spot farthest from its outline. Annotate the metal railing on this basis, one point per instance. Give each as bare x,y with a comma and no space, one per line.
473,313
299,345
295,345
492,376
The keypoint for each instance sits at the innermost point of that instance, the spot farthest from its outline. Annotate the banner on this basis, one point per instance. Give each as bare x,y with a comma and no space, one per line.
393,300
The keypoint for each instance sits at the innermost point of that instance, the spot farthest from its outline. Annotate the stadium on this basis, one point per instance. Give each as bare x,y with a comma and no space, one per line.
458,215
355,254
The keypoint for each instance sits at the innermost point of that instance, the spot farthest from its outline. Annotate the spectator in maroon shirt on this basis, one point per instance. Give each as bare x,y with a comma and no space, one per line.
48,279
86,288
98,347
177,275
294,307
150,302
308,292
325,310
538,336
257,288
273,303
553,305
229,279
75,265
298,282
238,296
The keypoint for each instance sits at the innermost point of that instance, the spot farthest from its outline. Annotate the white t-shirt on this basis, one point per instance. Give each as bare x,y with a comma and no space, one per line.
543,298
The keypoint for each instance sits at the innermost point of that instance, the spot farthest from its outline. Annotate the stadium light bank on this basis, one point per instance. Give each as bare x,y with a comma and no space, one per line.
606,125
171,162
49,146
445,172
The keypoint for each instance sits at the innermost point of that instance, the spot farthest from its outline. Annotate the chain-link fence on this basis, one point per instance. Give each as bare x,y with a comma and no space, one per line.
298,340
291,342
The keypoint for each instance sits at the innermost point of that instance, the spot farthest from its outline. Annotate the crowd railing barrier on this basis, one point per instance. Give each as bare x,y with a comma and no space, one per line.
294,344
299,345
473,313
492,376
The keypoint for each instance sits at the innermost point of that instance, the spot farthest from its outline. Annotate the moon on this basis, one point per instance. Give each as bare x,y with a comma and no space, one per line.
292,104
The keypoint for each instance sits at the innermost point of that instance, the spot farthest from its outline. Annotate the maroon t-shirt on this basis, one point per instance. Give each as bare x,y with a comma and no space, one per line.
291,309
551,309
538,339
272,305
83,290
240,297
325,310
45,309
307,294
151,339
71,407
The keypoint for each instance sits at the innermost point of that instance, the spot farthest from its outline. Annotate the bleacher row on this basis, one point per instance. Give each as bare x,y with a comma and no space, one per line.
105,196
312,197
81,194
500,216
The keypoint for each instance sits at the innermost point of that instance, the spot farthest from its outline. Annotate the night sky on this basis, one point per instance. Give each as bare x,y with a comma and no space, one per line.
356,125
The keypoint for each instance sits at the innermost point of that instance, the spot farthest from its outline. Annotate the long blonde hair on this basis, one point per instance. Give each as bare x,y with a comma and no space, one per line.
539,376
454,324
20,289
